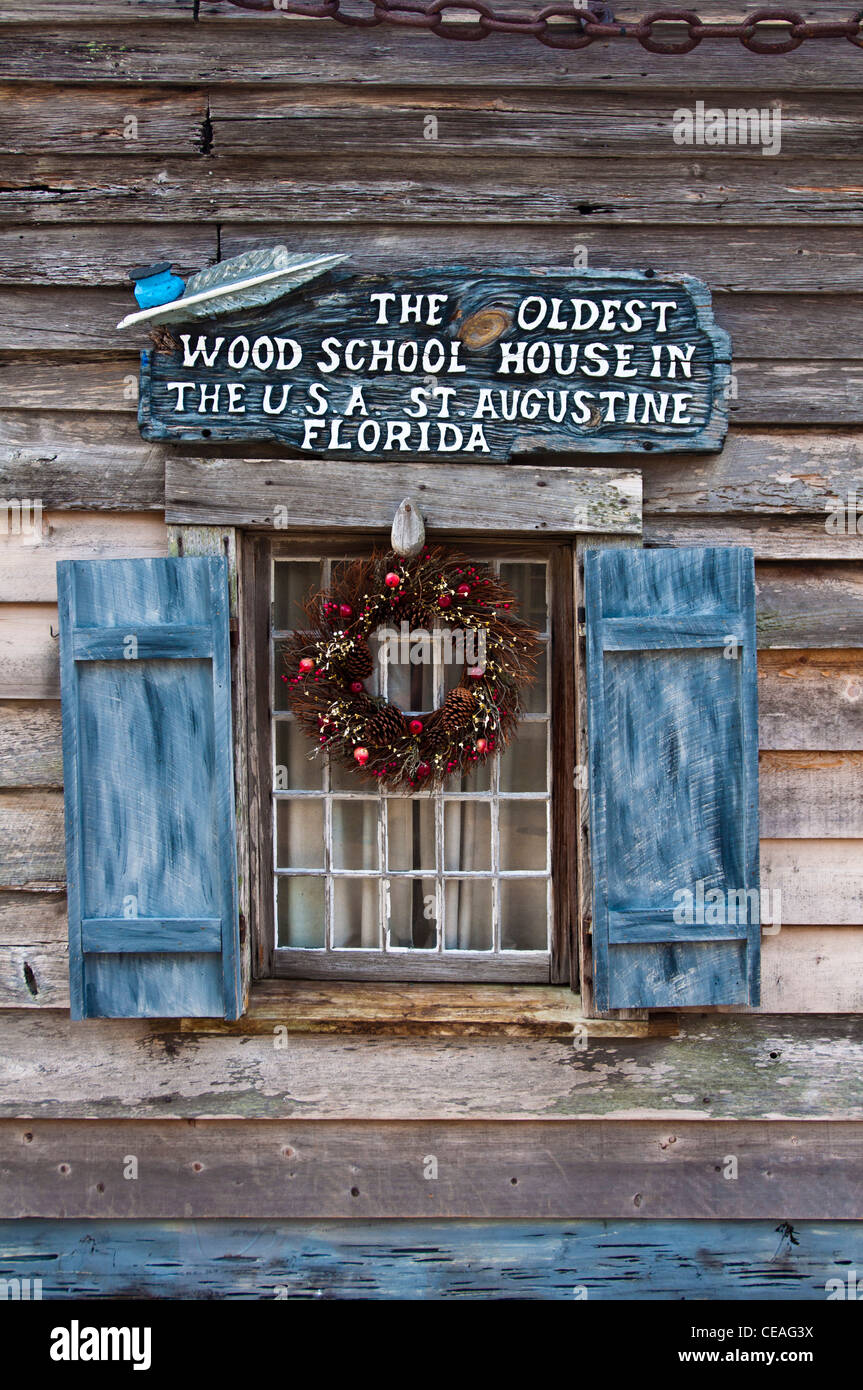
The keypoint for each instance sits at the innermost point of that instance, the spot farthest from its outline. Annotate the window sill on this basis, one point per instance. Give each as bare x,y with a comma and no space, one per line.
424,1010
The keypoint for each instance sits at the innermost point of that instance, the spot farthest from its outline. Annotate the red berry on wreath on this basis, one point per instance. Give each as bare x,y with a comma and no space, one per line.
307,664
444,601
416,726
345,610
392,580
481,745
464,590
423,769
356,687
361,755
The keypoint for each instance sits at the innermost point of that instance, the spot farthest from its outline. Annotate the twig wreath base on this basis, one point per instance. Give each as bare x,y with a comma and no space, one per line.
327,666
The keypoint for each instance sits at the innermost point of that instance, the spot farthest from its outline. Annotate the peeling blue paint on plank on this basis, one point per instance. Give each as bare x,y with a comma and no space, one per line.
235,1260
672,714
148,772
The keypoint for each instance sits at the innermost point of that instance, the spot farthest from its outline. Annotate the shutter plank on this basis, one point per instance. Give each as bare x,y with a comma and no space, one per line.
672,709
150,837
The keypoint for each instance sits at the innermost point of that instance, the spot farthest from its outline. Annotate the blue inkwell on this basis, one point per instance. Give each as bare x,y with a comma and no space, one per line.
154,284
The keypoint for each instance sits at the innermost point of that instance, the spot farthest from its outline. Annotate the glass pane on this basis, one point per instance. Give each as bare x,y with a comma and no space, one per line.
356,913
534,698
355,834
298,767
281,688
524,765
527,583
413,913
523,835
477,780
524,917
299,834
468,914
411,687
410,833
467,836
301,911
294,581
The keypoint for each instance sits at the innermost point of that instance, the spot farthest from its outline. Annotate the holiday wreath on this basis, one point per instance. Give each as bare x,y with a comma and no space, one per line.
327,666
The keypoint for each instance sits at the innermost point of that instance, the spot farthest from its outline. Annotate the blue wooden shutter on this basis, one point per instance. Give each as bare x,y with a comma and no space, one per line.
672,716
149,788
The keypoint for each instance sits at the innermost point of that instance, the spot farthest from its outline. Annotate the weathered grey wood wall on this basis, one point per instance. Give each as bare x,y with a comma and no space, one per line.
133,132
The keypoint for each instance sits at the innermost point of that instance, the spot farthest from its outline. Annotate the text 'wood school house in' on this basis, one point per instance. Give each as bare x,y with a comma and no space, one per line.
431,653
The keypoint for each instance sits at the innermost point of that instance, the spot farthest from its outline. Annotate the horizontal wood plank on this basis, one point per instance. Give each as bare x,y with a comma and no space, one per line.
45,318
507,191
32,849
800,260
816,605
102,255
28,571
425,1261
360,1170
29,652
422,1010
774,473
812,970
31,753
238,48
795,538
68,473
183,11
798,1068
811,795
810,700
262,122
454,497
33,919
34,976
112,121
770,260
105,11
820,881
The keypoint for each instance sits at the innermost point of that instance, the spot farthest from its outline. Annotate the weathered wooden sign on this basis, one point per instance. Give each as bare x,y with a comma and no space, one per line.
453,363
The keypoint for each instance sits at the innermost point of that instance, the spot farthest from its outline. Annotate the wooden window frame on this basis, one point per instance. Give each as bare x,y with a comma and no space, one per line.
268,962
222,506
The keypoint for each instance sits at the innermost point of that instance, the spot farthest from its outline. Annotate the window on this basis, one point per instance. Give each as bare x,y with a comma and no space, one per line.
365,884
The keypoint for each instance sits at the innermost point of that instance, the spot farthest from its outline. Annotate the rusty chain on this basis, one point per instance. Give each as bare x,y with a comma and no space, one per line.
587,25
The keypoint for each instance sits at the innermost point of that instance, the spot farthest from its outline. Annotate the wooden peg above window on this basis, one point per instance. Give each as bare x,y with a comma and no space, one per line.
408,532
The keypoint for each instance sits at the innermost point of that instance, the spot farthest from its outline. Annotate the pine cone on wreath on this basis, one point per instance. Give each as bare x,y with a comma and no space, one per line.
358,662
387,724
437,737
457,708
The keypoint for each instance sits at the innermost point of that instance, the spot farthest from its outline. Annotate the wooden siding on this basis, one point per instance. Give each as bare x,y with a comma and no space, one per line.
237,141
363,1169
718,1068
745,1261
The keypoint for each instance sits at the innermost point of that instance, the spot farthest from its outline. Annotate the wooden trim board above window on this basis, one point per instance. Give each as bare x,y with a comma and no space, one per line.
309,494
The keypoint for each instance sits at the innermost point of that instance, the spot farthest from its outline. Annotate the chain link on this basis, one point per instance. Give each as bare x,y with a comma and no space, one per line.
584,28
